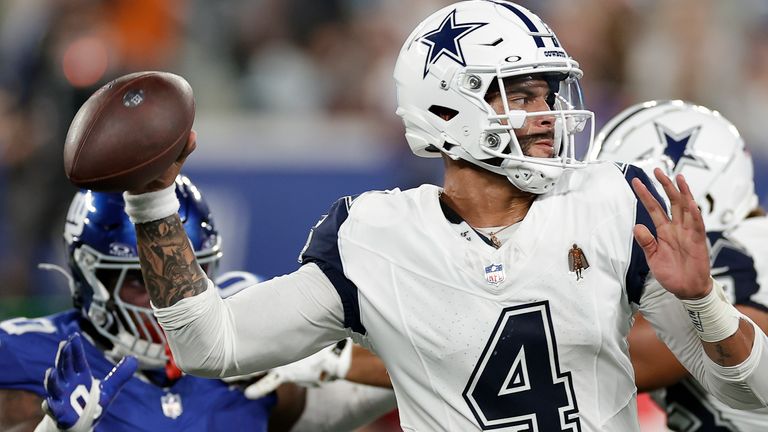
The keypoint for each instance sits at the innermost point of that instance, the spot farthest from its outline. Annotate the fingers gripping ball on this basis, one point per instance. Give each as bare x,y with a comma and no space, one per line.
75,399
129,132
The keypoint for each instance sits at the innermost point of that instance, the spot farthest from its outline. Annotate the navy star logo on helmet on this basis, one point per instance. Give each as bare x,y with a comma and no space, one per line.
445,40
677,147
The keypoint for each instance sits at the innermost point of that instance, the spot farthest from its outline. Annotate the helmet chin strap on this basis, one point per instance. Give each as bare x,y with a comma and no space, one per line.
526,177
538,180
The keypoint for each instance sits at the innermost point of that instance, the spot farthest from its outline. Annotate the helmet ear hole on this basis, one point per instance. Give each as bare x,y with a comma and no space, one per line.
443,112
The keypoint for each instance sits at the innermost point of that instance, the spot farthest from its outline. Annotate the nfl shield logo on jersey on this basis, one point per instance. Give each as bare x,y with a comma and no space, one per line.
171,405
494,274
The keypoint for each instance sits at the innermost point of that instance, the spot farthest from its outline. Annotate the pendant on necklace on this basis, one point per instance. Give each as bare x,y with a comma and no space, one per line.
495,240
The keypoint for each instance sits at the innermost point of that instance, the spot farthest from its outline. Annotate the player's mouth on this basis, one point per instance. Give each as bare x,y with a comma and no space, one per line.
544,146
539,145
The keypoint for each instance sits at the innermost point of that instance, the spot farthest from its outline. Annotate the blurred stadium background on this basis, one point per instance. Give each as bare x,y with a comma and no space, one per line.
295,104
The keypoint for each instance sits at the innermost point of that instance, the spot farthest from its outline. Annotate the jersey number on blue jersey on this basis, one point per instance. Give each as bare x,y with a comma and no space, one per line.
19,326
518,380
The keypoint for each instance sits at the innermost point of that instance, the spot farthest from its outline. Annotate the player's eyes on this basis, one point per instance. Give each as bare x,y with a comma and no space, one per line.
526,100
517,99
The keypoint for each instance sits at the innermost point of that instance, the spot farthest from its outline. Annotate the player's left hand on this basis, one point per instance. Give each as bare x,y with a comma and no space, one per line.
75,399
328,364
678,256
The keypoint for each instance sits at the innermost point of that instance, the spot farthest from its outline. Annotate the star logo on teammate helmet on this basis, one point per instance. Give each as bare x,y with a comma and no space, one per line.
677,147
445,40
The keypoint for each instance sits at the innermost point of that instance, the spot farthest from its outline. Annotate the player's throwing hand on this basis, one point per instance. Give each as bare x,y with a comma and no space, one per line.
76,399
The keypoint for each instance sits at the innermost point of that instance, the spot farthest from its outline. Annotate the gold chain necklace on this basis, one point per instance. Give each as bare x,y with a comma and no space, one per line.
492,234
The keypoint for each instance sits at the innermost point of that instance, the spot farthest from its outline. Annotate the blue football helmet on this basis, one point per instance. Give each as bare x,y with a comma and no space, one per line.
103,261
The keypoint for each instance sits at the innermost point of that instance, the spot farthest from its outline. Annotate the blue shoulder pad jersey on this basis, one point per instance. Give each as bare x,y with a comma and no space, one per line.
28,347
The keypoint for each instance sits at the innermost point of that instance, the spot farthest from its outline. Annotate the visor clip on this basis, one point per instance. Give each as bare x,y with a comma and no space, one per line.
492,141
474,82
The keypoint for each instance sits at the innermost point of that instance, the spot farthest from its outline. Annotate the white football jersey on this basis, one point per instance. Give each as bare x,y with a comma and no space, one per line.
530,336
740,262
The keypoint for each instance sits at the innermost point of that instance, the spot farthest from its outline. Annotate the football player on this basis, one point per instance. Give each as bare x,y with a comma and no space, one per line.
465,291
73,357
683,138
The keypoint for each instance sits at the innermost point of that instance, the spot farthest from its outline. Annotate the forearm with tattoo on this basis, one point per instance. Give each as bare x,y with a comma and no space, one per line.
734,349
168,262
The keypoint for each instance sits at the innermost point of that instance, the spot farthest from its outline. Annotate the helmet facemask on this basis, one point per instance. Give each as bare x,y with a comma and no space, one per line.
567,122
105,274
131,328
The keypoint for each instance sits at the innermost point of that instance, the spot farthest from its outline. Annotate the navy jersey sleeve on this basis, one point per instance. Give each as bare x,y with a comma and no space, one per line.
27,348
638,269
734,267
322,248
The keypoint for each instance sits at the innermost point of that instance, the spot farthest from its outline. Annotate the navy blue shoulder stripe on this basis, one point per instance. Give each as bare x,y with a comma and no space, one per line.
638,266
322,248
735,266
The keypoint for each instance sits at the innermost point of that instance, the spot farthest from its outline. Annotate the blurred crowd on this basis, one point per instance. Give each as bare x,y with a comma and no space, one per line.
330,59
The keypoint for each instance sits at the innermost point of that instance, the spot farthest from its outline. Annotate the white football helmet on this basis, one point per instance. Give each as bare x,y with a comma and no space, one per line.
448,64
683,138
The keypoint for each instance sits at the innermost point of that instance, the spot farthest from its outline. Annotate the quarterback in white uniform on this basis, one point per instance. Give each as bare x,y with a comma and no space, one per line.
501,300
683,138
509,333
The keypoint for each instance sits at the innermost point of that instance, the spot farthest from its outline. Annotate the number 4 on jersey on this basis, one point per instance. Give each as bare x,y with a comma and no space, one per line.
518,382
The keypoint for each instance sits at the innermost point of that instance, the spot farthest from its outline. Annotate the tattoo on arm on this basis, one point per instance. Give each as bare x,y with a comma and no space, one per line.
168,262
723,355
734,349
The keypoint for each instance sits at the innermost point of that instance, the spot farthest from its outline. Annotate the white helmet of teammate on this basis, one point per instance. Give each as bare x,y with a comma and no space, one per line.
683,138
448,64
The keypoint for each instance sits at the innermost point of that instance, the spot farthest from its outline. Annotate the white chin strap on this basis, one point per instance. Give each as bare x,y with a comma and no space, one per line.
528,177
532,178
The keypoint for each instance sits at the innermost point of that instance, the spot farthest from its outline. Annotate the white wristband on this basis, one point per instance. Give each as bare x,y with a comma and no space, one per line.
713,317
151,206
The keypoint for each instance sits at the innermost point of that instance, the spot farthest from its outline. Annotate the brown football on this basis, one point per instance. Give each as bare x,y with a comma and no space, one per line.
129,131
